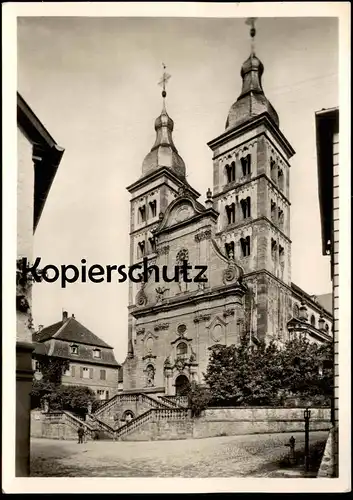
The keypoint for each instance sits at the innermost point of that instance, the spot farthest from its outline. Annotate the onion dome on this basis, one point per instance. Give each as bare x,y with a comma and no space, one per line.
164,153
252,100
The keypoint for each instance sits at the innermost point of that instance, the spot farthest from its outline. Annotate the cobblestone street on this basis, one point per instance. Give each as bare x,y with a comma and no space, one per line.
256,455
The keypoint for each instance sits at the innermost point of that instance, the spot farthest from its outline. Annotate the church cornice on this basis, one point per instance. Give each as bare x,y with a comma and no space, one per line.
296,325
263,119
300,294
155,174
251,222
235,187
191,298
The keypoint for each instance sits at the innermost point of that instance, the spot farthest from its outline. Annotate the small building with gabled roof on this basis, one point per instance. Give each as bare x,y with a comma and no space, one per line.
91,360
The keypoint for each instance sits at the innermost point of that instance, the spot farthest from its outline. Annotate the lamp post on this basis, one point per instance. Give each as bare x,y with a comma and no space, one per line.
307,413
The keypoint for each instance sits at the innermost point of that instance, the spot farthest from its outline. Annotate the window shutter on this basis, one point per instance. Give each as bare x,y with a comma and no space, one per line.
72,371
81,371
91,373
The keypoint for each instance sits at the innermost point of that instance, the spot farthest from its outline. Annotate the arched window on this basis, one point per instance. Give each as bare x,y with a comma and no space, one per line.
153,208
246,207
182,350
327,327
245,246
312,320
296,311
246,165
230,211
273,170
142,214
230,171
229,247
97,353
141,249
280,179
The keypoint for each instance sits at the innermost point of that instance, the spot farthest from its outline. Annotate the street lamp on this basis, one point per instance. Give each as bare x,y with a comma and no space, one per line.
307,414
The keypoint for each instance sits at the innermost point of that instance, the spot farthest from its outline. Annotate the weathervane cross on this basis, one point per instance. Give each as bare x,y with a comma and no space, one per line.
251,22
164,80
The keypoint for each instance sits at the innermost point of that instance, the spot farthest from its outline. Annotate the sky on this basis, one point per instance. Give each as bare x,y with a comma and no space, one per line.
93,82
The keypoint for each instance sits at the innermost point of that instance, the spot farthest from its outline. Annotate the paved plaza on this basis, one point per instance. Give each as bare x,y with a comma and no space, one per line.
256,455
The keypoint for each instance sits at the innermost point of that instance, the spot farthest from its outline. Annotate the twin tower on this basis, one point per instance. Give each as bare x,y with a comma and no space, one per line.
241,232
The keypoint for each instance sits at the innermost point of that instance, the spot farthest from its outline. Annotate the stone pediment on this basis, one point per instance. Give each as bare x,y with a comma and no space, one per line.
182,209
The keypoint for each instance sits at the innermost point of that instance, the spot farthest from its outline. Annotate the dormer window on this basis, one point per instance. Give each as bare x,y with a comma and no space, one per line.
142,214
246,165
97,353
153,208
74,349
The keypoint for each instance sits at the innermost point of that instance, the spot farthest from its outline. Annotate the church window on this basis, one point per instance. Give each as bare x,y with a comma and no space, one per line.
312,320
246,207
273,210
273,248
327,327
246,165
230,210
182,350
230,171
151,245
273,169
141,249
296,311
281,255
142,214
245,246
153,208
280,179
280,217
229,247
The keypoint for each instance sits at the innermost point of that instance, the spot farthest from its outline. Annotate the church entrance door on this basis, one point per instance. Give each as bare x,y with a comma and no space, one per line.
181,385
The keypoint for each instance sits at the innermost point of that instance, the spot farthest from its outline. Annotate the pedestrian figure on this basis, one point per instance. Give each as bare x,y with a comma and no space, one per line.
81,433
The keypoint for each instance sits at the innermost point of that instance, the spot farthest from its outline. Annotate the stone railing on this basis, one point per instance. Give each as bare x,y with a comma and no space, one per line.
75,422
134,424
130,398
180,401
168,401
102,426
171,414
152,415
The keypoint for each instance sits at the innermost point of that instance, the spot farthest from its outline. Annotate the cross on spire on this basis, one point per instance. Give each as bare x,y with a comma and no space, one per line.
251,22
164,80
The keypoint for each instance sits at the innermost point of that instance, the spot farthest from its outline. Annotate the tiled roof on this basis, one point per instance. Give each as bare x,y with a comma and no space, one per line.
325,300
70,330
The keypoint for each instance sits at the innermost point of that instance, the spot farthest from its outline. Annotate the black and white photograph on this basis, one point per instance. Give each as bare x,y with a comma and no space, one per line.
178,245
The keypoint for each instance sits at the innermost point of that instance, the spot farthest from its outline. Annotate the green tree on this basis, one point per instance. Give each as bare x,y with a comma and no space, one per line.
74,398
52,369
198,398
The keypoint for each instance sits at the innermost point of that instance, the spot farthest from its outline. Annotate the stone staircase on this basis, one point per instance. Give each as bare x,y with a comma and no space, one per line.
160,408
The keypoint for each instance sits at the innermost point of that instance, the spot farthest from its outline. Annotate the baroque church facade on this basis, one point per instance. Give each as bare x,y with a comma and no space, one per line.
242,234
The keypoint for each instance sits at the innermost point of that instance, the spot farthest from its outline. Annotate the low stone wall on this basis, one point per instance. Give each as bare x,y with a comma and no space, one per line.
236,421
232,422
51,429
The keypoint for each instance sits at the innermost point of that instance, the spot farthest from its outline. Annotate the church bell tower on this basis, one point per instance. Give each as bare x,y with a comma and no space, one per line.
251,175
